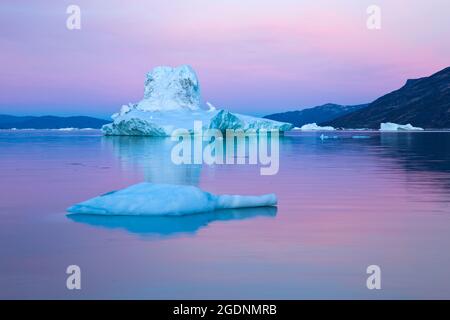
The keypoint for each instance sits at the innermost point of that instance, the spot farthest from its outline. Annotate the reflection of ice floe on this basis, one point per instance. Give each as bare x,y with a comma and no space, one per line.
173,225
165,199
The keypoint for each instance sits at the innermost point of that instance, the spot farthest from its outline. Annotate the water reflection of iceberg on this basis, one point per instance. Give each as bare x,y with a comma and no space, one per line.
152,156
164,226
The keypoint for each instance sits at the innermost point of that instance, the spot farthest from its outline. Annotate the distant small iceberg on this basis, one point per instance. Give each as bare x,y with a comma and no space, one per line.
315,127
389,126
166,199
324,137
51,129
65,129
74,129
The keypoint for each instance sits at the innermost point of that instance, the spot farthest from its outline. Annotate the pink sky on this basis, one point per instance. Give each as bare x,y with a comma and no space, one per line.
251,56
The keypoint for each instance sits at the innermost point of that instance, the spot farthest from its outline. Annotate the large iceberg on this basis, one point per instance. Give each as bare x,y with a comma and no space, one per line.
389,126
166,199
172,101
315,127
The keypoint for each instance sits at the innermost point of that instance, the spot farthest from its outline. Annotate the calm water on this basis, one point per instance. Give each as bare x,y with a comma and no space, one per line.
344,204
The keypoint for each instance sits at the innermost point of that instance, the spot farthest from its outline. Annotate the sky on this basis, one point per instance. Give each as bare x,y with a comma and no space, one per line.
255,57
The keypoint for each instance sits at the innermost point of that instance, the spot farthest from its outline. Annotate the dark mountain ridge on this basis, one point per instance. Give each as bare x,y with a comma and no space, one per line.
50,122
317,114
423,102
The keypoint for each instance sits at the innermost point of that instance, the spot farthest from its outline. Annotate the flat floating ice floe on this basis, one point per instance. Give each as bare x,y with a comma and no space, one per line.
166,199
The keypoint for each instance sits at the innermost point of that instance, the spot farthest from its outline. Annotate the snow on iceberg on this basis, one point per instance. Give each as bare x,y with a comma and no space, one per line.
315,127
166,199
389,126
171,101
